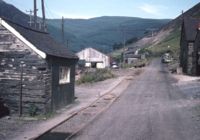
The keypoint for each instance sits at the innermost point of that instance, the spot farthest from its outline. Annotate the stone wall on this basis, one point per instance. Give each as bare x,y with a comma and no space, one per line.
36,83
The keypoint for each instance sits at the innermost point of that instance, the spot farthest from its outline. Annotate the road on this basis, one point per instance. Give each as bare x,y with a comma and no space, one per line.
150,109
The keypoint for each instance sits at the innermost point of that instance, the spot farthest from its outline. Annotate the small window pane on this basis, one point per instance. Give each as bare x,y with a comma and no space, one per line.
190,48
64,75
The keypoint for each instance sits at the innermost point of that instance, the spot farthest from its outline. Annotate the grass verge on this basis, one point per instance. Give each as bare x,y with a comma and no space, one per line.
95,76
169,44
137,64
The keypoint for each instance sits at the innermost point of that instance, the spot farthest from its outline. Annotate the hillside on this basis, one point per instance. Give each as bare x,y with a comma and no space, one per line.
11,12
168,38
103,32
100,32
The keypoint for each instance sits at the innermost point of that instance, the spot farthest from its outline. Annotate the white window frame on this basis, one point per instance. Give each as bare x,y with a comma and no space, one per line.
64,75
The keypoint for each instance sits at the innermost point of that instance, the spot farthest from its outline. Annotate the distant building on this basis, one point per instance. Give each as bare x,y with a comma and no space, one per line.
131,59
131,55
189,46
35,71
94,58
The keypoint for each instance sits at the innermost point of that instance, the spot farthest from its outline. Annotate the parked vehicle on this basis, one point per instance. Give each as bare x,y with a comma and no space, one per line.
166,58
114,65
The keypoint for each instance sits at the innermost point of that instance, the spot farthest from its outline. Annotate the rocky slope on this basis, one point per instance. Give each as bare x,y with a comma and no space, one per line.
168,37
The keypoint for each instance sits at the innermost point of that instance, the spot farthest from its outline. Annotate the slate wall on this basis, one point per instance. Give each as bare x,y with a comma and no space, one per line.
37,76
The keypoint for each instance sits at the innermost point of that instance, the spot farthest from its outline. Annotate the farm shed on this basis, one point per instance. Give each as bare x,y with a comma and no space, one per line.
131,56
94,58
35,71
188,48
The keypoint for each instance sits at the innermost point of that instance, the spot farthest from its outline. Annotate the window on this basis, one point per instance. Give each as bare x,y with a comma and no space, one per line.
198,58
190,48
64,75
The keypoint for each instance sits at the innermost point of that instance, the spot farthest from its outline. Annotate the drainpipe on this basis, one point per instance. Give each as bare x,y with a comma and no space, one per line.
21,88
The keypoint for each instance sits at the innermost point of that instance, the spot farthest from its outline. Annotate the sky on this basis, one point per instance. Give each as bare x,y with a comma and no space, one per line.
157,9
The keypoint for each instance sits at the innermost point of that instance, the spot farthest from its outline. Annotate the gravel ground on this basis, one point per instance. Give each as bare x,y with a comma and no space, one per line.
84,117
190,88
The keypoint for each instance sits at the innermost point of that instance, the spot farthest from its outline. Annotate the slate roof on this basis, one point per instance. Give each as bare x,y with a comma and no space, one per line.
190,27
42,41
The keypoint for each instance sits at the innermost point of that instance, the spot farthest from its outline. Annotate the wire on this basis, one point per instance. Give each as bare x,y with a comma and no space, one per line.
48,11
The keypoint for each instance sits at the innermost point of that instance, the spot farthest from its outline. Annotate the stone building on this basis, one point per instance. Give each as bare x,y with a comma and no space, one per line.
189,46
35,71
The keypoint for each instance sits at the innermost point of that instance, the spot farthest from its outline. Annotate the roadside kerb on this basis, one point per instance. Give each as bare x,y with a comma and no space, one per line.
100,112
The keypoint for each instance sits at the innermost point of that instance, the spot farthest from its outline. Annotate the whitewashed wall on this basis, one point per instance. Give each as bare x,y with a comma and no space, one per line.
91,55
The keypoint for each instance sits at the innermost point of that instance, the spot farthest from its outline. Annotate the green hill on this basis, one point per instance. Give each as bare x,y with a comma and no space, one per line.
103,32
168,38
100,32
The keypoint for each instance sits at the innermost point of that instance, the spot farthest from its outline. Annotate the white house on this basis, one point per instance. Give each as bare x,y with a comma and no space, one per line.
94,58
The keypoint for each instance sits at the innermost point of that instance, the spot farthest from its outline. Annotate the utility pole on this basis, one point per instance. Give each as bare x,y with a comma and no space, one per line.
30,13
35,13
182,15
152,30
124,42
43,17
63,33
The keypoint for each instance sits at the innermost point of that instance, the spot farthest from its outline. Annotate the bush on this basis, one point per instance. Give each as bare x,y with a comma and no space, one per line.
4,110
33,110
137,64
95,76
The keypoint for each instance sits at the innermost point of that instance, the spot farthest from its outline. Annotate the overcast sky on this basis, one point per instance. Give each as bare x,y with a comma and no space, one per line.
94,8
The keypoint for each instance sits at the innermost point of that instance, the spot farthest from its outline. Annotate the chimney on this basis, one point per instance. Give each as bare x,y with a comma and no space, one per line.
182,15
